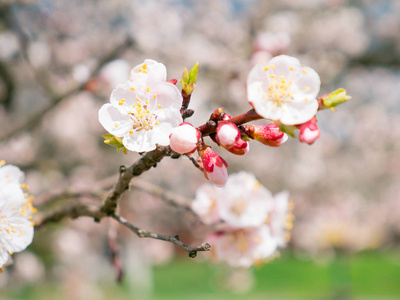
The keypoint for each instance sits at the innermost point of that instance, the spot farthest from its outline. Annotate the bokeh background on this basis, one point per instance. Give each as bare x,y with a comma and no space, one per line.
59,61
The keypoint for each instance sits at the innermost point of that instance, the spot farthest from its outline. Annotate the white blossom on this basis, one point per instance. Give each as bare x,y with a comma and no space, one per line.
283,90
144,110
244,202
244,247
16,228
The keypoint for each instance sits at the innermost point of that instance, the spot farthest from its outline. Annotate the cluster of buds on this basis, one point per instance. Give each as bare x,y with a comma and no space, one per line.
148,110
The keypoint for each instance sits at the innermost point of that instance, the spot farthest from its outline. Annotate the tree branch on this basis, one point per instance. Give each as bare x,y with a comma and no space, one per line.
147,161
174,239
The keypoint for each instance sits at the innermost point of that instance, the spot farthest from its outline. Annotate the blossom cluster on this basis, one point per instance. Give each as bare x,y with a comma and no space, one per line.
16,227
147,110
249,223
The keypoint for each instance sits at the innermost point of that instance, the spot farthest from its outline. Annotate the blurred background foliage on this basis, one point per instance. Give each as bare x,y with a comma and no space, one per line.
59,61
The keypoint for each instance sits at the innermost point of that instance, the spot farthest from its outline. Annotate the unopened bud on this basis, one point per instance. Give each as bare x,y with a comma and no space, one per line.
267,134
241,147
309,131
227,134
184,138
214,166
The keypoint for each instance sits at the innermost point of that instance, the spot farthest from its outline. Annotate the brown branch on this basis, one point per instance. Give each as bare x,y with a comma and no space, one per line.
174,239
96,213
73,212
147,161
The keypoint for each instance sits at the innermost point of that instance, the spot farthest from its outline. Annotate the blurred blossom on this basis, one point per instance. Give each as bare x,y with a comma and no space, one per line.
29,268
9,44
39,54
249,223
81,73
274,43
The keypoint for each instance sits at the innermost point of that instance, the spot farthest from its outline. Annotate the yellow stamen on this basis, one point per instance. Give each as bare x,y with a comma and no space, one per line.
307,88
132,88
148,89
2,162
158,105
304,72
130,131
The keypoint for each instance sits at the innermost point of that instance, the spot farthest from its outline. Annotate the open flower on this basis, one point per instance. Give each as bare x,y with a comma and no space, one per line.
16,229
283,90
144,110
244,202
244,247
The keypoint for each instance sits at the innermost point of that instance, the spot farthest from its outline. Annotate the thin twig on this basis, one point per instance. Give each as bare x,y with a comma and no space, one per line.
174,239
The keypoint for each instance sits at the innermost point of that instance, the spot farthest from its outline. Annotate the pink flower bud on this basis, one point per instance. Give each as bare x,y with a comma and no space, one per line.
184,138
227,134
309,131
241,147
214,166
267,134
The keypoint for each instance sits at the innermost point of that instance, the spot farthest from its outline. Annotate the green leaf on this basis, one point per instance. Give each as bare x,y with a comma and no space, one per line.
335,98
193,73
185,76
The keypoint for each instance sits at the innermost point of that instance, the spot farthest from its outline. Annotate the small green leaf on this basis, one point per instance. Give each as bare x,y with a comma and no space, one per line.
335,98
185,76
193,73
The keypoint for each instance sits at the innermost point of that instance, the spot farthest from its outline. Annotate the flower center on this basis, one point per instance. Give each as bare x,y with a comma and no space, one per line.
280,90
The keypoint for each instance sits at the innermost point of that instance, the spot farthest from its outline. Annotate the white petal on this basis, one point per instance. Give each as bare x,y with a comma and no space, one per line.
156,71
168,95
11,195
160,134
10,173
139,141
171,116
286,66
257,73
125,93
114,121
299,112
20,237
308,83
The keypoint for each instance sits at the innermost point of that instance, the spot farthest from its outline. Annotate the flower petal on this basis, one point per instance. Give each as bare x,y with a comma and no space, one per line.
11,174
139,141
299,112
167,95
114,121
156,71
286,66
308,83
